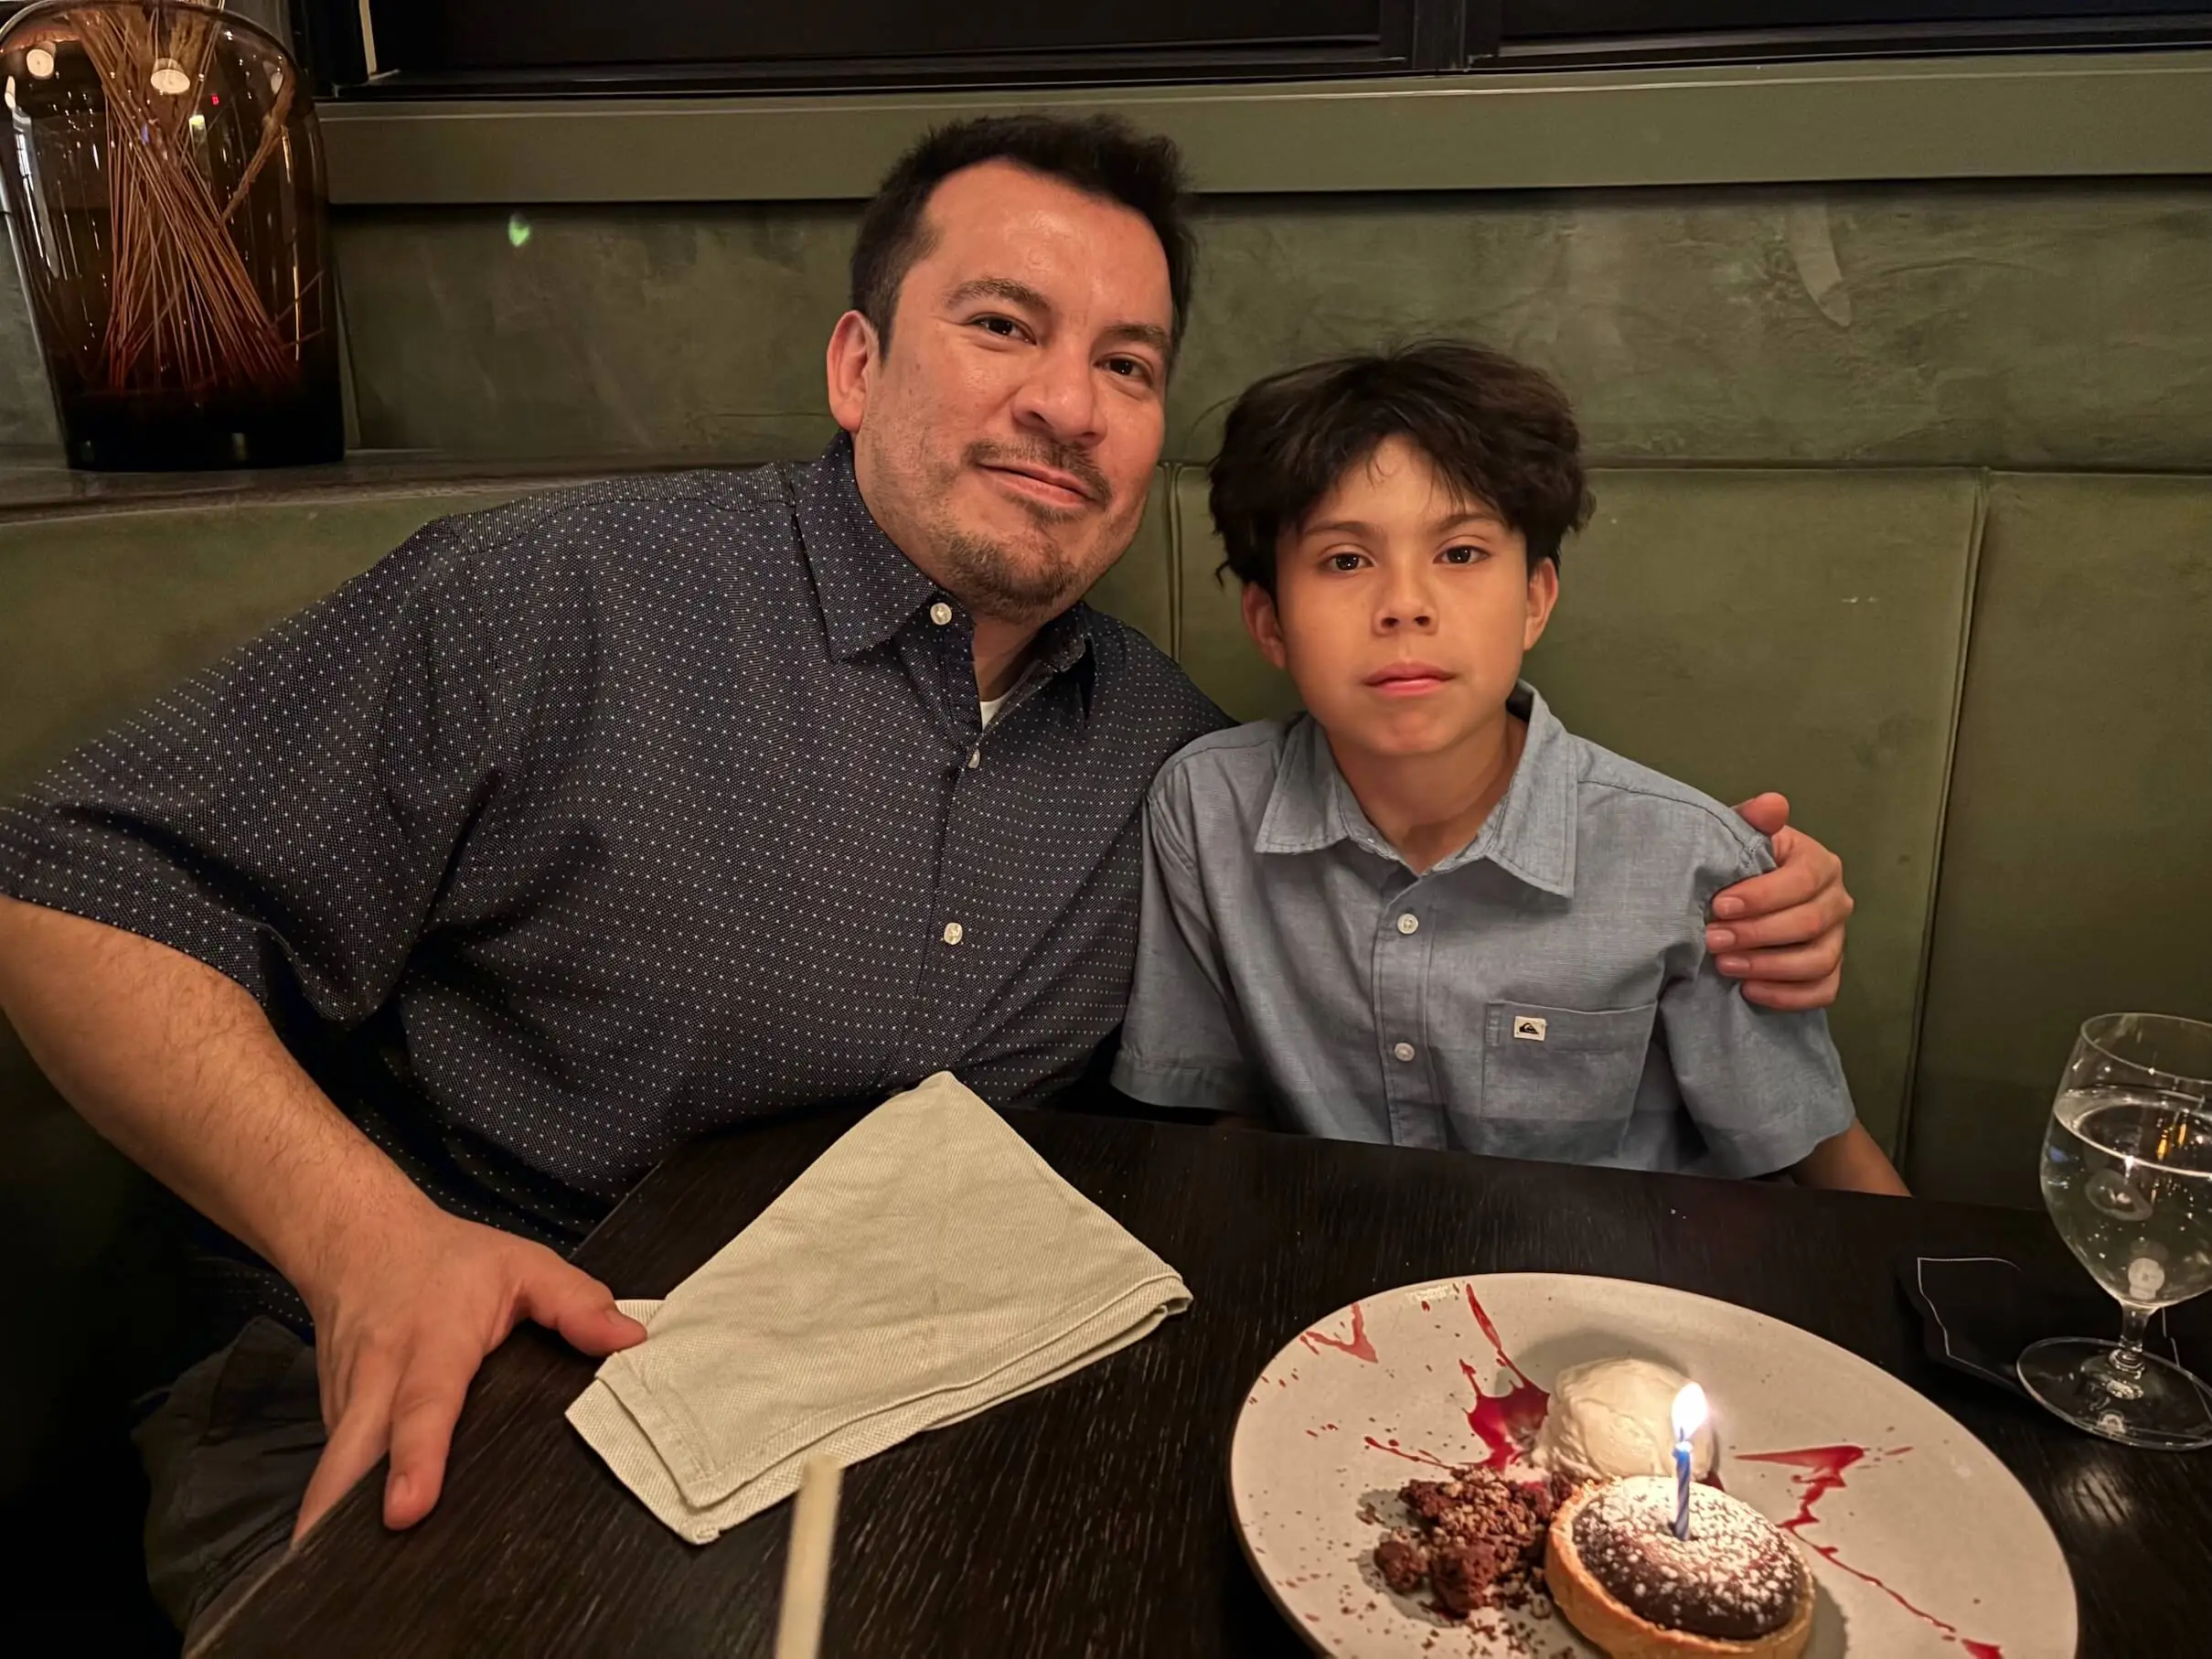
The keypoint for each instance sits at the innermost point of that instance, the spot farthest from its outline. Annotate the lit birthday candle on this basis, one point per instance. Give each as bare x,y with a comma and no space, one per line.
1689,1417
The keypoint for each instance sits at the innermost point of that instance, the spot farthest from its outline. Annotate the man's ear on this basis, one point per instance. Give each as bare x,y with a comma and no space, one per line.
1543,595
854,358
1265,625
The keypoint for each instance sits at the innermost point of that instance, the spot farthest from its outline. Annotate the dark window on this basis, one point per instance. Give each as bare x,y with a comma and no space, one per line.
1627,30
475,46
412,48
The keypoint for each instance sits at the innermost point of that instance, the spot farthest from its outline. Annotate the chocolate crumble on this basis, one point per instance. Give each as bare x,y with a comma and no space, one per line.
1475,1540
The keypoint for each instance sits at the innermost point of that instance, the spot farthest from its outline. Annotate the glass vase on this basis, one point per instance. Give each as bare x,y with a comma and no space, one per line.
164,192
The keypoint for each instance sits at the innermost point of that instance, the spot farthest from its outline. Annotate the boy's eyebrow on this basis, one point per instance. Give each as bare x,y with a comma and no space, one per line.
1356,527
1474,515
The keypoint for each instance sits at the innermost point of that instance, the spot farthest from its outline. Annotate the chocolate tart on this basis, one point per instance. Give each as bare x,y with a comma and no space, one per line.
1737,1588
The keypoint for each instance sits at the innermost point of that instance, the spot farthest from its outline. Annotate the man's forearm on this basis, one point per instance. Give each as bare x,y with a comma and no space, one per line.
178,1067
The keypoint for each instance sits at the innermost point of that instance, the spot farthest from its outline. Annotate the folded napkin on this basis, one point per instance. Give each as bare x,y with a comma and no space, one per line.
1978,1312
923,1269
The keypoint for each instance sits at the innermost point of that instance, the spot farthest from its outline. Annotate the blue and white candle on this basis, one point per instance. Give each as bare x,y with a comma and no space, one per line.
1689,1417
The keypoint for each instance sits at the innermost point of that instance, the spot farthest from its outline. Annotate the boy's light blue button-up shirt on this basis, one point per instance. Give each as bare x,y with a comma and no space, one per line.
1543,992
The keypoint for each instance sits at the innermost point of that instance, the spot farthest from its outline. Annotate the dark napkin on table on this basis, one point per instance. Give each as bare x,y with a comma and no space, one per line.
1977,1312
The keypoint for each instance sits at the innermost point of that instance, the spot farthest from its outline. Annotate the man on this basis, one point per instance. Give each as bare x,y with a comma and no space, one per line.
405,942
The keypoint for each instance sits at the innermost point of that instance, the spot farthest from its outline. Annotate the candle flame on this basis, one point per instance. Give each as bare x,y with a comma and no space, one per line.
1689,1414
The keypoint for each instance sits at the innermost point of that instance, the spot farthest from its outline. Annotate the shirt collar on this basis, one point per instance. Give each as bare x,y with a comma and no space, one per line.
869,589
1530,834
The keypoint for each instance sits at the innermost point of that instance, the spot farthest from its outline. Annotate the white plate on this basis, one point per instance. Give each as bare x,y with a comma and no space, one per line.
1925,1548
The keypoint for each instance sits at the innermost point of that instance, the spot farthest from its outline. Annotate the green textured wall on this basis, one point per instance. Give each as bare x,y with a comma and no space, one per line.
2021,326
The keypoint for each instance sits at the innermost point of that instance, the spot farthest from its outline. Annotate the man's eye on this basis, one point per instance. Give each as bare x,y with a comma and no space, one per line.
1465,555
1129,368
1005,328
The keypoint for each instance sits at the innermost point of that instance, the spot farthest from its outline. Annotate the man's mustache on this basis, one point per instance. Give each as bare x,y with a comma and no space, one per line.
1058,457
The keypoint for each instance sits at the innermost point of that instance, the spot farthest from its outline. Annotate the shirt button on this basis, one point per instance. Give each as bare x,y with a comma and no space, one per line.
940,613
1409,923
1405,1051
953,933
975,757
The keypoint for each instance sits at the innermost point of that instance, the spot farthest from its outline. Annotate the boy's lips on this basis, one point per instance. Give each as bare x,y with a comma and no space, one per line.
1408,679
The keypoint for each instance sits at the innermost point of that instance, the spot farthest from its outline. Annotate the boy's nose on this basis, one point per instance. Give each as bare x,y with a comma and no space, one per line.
1417,613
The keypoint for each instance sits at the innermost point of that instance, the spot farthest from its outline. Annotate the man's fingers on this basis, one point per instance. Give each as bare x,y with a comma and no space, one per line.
1800,966
1793,998
356,1441
1806,879
1768,814
424,1411
568,1300
1819,922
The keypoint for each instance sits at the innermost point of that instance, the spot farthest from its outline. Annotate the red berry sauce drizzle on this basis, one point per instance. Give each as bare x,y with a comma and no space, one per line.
1822,1470
1359,1347
1506,1423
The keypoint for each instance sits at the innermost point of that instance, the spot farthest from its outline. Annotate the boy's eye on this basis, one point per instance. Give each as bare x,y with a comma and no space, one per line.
1344,561
1465,555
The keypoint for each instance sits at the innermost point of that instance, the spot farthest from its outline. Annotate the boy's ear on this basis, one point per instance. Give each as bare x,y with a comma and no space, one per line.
1543,595
1265,626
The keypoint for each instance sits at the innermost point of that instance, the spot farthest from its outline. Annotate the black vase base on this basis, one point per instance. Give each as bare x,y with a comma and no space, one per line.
136,433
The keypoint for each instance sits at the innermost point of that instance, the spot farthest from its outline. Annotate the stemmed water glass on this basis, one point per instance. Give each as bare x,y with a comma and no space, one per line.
2127,1176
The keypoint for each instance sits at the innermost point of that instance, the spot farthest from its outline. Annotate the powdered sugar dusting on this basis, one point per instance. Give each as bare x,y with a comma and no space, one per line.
1735,1577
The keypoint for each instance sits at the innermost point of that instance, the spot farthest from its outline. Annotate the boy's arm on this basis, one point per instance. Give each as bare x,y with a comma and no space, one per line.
1852,1162
1179,1044
1765,1088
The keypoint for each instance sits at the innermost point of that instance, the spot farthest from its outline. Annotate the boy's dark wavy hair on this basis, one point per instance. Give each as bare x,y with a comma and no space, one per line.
1499,432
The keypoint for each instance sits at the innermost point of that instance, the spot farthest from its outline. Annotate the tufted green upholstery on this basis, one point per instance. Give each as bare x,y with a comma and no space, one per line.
2078,852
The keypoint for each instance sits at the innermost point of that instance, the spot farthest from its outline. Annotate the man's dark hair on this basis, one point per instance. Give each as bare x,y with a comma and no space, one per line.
1099,154
1499,433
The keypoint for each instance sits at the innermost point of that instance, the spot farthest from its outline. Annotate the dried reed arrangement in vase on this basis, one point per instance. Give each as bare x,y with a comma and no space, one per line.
181,305
186,324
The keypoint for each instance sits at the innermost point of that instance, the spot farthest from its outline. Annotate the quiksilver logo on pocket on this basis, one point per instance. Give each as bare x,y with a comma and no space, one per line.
1528,1028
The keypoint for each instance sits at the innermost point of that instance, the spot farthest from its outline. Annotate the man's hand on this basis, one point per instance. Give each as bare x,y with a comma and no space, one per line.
409,1306
1782,933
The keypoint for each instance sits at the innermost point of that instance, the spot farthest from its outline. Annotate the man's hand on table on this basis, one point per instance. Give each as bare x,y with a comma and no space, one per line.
407,1307
1782,933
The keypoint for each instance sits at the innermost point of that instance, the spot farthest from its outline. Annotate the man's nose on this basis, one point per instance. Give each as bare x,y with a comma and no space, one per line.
1060,398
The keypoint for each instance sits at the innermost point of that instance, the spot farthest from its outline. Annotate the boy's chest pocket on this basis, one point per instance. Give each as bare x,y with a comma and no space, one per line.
1556,1082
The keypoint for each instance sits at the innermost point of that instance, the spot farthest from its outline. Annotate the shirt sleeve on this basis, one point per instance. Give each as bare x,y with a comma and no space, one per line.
288,816
1179,1044
1763,1087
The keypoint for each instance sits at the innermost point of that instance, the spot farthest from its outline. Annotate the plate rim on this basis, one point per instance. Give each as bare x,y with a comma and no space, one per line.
1237,1522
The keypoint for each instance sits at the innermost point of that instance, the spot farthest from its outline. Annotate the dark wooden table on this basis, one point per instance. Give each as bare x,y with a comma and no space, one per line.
1092,1517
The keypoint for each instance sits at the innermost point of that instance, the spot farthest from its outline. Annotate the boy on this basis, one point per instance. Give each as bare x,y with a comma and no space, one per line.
1423,913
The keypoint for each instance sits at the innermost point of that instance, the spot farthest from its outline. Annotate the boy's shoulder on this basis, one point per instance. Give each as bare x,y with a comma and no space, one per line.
1236,757
1617,792
1223,779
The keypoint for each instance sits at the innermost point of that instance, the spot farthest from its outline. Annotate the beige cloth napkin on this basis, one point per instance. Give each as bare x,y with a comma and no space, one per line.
926,1266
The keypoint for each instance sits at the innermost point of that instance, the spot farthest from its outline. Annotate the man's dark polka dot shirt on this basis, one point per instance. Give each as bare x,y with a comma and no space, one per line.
579,828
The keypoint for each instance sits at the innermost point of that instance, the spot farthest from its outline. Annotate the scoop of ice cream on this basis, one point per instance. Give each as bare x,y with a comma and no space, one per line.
1609,1419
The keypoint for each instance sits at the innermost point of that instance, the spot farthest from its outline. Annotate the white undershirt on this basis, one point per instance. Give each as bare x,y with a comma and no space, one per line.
991,707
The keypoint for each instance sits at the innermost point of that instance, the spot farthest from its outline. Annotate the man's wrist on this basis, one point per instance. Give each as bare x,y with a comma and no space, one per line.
367,1210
